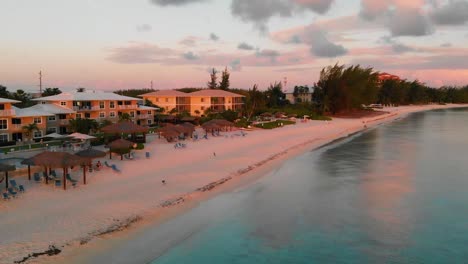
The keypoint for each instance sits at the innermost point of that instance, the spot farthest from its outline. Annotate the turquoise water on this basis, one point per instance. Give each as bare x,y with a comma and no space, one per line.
394,194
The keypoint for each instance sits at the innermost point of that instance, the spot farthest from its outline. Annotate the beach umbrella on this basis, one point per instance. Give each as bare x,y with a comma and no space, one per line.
126,127
120,146
6,168
81,136
55,135
30,163
90,154
59,160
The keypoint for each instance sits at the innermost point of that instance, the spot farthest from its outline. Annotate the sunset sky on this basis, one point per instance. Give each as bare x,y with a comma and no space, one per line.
122,44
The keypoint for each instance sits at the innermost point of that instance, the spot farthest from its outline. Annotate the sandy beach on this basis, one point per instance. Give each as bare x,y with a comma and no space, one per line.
113,205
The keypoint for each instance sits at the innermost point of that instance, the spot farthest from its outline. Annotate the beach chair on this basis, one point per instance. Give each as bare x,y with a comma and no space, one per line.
114,167
147,155
21,188
14,184
58,183
12,192
107,164
73,181
6,196
205,136
37,177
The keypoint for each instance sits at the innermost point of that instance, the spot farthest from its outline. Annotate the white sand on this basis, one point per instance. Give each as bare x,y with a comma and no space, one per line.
46,215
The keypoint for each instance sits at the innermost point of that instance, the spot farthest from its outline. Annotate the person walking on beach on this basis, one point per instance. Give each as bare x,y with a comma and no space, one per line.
214,154
163,182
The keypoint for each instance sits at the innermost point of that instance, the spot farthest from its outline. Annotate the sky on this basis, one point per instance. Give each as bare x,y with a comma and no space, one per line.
122,44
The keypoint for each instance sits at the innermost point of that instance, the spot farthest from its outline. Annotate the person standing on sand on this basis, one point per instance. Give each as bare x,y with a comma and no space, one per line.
214,154
163,182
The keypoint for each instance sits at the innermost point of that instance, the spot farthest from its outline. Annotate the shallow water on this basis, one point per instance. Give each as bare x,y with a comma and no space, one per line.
395,194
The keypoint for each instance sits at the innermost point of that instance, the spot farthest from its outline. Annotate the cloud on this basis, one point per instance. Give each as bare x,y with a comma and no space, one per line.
245,46
190,56
214,37
401,48
268,53
144,28
322,47
453,13
373,9
175,2
235,65
295,39
139,53
446,45
259,12
189,41
409,22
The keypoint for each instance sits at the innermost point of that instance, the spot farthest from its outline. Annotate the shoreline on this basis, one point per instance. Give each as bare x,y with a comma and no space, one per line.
173,205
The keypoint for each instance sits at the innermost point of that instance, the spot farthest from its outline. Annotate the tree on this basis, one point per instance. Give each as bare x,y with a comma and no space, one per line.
275,95
254,101
134,92
22,96
29,129
224,84
125,117
80,90
83,125
197,112
51,91
213,84
4,93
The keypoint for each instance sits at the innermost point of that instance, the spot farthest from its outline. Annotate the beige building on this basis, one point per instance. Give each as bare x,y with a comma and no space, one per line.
196,103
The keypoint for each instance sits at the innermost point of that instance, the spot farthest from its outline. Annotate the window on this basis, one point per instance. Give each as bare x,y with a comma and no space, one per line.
3,137
87,115
37,120
16,121
102,114
112,114
51,118
132,114
37,134
167,100
3,124
43,102
112,104
102,105
128,102
78,116
202,108
157,99
63,103
51,130
202,100
149,112
149,121
2,107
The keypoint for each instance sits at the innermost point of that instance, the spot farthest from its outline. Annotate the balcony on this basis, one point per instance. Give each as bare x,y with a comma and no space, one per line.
87,108
10,112
17,127
63,122
122,107
144,116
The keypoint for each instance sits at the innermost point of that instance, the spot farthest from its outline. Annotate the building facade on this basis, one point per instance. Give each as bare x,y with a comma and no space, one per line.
53,113
196,103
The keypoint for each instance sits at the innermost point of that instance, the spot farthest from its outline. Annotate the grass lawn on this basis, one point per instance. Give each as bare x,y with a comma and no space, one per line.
275,124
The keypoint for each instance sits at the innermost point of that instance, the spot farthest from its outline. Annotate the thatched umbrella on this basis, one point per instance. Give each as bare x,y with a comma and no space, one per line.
210,127
59,160
125,127
168,133
90,154
6,168
30,163
190,127
120,145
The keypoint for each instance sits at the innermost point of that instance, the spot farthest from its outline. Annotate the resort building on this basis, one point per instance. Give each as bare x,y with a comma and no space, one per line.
99,106
196,103
53,113
299,98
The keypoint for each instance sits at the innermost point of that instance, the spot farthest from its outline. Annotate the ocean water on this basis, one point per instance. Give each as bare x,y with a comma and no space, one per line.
394,194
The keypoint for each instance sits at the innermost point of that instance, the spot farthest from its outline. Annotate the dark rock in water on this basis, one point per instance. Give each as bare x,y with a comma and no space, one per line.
50,252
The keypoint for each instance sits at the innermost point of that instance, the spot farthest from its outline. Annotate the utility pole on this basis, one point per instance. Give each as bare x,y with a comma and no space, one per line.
40,83
151,85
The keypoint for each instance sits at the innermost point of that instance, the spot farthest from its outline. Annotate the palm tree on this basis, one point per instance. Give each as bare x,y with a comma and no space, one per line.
29,129
125,117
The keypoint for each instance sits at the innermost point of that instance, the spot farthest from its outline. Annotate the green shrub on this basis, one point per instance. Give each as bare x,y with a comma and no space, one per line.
140,146
275,124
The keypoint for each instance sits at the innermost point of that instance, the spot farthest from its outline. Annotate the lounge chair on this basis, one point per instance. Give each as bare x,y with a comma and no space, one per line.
58,183
21,188
147,155
107,164
205,136
114,167
6,196
12,192
73,181
14,184
37,177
